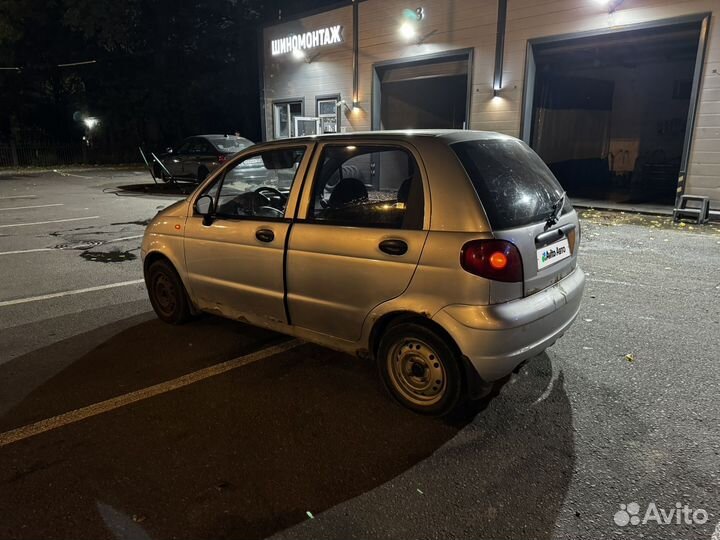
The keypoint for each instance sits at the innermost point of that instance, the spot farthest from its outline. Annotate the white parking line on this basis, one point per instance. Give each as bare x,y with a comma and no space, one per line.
69,293
25,251
46,222
123,239
95,409
19,251
19,197
28,207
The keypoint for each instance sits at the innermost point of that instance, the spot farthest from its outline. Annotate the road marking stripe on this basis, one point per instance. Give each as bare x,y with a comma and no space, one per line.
45,222
61,173
123,238
19,251
25,251
95,409
19,197
28,207
69,293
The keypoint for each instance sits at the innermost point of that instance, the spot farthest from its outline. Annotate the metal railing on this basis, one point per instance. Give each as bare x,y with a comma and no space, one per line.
48,154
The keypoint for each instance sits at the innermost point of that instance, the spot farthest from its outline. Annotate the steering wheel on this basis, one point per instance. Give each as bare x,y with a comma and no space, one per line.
268,189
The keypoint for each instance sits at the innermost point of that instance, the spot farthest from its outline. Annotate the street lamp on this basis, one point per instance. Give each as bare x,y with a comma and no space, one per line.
90,122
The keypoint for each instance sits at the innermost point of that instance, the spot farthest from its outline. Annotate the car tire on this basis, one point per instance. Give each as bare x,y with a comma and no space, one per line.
202,174
420,369
167,293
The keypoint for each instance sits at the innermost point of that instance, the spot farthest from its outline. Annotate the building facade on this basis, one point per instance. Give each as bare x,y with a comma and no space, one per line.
621,97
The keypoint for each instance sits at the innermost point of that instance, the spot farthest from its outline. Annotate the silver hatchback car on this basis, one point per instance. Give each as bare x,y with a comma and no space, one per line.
447,257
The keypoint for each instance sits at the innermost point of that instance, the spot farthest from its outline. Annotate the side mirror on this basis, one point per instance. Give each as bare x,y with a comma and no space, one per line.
204,205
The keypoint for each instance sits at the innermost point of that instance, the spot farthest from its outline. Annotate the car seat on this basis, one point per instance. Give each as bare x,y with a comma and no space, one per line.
346,191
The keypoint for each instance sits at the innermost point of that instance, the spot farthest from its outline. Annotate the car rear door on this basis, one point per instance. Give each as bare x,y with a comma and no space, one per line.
361,228
235,260
526,206
174,161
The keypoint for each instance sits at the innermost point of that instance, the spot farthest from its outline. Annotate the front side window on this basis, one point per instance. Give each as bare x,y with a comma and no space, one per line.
368,186
257,186
185,146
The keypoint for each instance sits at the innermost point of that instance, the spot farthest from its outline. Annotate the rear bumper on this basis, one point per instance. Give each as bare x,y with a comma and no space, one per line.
497,338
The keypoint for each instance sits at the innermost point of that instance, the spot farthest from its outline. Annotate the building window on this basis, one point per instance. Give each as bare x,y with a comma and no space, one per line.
327,111
284,118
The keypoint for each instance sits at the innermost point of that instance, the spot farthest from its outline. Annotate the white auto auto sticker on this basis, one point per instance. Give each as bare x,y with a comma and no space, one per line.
553,253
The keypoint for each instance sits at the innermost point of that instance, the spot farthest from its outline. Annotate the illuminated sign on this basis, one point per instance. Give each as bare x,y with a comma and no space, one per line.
308,40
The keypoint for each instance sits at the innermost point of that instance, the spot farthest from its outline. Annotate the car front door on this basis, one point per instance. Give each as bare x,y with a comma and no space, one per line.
190,159
361,229
174,163
235,257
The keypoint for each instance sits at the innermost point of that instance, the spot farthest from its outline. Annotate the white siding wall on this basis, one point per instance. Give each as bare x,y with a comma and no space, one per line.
459,24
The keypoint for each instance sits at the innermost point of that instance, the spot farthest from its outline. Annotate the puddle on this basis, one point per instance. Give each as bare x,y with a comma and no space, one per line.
143,222
108,256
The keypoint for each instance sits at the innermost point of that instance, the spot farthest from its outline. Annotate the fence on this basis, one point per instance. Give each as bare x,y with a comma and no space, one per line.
50,154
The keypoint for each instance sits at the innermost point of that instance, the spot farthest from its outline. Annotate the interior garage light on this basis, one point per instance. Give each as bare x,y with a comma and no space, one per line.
408,30
298,54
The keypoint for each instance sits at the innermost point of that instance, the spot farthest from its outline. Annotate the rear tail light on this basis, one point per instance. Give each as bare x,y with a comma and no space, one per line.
222,158
492,259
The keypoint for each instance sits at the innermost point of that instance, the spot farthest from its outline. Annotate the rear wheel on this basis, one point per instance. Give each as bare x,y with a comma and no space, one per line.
420,369
167,293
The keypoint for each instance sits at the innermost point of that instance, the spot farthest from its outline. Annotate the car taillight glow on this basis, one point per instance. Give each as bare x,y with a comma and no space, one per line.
499,260
222,158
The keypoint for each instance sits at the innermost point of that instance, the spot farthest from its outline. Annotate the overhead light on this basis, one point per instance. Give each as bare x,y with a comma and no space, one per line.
298,54
351,148
90,122
408,30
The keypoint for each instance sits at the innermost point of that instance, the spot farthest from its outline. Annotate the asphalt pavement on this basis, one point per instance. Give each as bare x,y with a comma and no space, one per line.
114,425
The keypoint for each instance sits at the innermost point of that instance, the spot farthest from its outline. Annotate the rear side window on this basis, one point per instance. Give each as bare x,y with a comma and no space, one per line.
514,185
368,186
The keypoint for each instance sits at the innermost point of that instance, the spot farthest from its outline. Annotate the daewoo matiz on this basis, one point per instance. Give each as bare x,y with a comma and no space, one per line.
447,257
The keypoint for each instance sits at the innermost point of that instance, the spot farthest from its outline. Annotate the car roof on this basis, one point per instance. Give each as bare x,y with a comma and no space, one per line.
448,135
220,136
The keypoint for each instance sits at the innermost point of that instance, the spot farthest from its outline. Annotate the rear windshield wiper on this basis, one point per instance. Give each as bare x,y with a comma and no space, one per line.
556,210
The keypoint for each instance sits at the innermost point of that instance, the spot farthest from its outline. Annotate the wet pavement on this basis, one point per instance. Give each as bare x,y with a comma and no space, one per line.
303,443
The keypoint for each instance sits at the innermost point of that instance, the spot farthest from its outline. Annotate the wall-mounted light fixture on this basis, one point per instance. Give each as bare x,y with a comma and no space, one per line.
302,56
355,107
611,5
499,47
409,25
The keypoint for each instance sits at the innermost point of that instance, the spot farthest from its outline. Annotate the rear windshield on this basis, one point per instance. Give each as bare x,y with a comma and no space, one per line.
514,185
230,145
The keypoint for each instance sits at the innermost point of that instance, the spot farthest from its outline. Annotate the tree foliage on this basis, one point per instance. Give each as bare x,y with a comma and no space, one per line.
163,69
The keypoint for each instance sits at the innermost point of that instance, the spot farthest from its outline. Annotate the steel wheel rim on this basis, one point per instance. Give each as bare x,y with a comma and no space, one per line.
417,372
165,294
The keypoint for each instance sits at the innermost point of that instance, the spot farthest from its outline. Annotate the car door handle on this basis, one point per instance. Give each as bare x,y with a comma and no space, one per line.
265,235
393,247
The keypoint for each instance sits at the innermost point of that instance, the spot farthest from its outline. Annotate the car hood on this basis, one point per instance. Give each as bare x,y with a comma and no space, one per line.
177,209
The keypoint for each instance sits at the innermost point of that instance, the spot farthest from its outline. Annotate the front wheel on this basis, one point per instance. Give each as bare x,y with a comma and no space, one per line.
420,369
167,293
